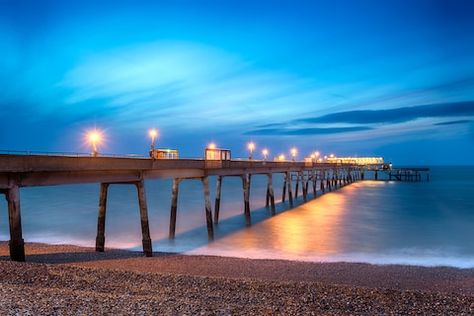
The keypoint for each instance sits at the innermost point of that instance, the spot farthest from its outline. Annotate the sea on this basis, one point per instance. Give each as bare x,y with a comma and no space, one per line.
427,223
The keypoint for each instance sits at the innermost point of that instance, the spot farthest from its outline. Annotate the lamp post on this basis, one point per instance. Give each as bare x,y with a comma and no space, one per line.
315,156
153,133
251,148
294,152
265,154
94,137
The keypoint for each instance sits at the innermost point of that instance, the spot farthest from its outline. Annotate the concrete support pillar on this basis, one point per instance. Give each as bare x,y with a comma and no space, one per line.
267,198
270,193
304,186
308,179
246,189
321,181
16,244
174,207
146,239
217,205
315,182
100,239
283,196
297,185
376,175
208,208
290,194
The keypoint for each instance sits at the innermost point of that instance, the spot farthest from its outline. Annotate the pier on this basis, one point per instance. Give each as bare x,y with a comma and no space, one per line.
27,170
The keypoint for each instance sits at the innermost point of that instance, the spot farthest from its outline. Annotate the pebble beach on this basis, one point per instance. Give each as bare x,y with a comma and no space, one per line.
71,280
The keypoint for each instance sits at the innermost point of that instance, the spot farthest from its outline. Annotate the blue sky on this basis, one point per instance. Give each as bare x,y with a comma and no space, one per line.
391,78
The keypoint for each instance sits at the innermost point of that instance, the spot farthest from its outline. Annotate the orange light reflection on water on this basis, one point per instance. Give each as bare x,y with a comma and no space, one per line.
311,228
314,228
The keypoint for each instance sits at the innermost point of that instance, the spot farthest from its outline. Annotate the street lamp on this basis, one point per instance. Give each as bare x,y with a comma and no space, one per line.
94,137
251,148
315,156
294,152
265,154
153,133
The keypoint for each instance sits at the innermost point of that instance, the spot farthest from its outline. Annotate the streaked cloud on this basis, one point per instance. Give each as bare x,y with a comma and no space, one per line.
452,122
307,131
397,115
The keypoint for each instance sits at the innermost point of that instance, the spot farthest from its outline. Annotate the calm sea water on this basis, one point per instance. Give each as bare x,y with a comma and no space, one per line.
428,223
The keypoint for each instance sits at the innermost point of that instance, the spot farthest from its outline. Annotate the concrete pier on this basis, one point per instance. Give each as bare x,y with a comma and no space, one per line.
17,171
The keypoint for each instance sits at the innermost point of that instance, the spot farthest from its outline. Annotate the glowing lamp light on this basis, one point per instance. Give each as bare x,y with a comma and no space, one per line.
95,138
281,157
331,155
317,154
294,152
265,153
212,146
153,133
251,148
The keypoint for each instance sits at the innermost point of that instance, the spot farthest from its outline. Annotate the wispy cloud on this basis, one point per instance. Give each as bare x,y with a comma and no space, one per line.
307,131
453,122
191,83
397,115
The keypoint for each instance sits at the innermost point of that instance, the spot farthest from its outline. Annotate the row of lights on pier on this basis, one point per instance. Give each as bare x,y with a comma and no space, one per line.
315,156
95,137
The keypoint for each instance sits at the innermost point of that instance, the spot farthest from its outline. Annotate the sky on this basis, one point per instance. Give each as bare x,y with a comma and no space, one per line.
385,78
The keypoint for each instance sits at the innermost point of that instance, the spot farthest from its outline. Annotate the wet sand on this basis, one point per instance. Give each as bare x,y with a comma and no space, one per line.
76,280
